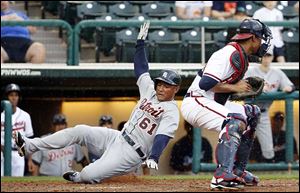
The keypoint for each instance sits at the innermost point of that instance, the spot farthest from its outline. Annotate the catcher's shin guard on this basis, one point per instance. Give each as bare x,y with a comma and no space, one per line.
229,141
243,152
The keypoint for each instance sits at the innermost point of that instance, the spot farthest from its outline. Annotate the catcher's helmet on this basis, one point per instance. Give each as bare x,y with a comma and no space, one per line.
250,27
169,77
59,119
12,88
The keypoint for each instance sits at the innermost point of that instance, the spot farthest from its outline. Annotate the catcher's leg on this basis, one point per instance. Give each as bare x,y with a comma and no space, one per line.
229,141
243,152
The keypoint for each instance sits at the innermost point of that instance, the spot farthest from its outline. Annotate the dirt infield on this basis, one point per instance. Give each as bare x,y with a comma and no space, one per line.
137,184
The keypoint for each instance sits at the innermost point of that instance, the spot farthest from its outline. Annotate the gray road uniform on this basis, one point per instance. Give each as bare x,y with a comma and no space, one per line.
124,150
57,161
275,80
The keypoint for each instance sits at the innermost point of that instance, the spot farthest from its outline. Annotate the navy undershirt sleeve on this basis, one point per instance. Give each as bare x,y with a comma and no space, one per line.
140,59
159,144
207,83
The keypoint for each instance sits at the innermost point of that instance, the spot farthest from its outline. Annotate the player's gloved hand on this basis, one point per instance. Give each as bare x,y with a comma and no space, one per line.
151,163
144,31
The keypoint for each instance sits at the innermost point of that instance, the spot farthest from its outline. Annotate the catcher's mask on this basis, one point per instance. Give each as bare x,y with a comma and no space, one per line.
168,76
250,27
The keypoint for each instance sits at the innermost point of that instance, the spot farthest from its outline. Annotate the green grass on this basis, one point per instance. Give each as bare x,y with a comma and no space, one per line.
200,176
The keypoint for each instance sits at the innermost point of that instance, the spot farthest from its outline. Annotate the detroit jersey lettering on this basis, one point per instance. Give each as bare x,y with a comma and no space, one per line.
151,117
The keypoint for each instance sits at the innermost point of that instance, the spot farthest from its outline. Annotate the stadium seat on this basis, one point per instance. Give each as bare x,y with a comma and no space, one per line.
220,38
125,10
125,44
165,46
91,10
105,38
191,41
50,7
288,12
177,29
157,10
251,8
291,40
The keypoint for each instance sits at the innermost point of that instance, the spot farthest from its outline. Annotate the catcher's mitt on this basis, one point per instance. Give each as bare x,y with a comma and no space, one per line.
257,84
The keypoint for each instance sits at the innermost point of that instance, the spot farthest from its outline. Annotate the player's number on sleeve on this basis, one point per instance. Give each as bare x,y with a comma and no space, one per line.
144,124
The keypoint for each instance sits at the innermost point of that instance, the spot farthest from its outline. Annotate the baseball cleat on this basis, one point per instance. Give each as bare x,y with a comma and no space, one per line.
19,142
249,178
222,184
71,176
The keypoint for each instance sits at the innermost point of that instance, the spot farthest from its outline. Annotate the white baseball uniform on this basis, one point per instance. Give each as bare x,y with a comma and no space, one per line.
275,80
123,151
201,109
21,122
57,161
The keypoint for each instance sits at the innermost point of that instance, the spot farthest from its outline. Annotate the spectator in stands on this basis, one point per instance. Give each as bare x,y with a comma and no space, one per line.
226,9
193,9
182,151
277,122
104,121
275,80
16,44
270,13
57,161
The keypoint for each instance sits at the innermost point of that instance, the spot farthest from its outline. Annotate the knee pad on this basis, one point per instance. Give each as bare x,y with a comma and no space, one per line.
253,115
234,125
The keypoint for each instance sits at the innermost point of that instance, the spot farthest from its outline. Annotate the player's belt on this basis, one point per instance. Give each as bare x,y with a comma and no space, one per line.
14,149
263,110
132,143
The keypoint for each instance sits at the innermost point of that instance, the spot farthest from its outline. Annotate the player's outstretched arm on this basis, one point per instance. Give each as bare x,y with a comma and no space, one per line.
140,58
159,144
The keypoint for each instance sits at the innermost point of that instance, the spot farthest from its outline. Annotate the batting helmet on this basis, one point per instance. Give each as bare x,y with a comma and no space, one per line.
168,76
12,88
105,119
59,119
250,27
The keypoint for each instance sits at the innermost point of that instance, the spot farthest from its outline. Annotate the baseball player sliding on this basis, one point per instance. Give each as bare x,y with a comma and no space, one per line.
152,123
204,104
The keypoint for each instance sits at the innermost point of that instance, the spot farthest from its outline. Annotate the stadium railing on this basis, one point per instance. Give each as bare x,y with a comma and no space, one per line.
7,107
288,165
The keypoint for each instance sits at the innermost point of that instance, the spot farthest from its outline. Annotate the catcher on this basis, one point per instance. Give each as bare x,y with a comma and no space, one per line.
205,104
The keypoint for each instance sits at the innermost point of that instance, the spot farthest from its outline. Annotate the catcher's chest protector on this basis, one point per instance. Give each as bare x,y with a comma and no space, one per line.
239,62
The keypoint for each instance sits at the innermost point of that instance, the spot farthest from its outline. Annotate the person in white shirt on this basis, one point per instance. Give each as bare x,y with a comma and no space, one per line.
21,122
193,9
270,13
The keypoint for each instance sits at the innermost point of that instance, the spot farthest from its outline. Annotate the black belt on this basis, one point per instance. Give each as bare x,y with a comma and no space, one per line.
263,110
189,94
14,149
132,143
